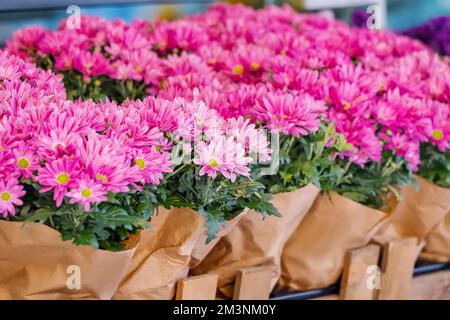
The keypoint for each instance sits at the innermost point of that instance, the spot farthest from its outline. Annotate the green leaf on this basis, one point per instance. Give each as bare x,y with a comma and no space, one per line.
213,221
358,197
112,198
86,238
263,206
40,215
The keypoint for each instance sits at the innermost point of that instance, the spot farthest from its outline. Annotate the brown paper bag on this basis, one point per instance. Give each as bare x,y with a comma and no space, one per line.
202,249
175,241
314,255
417,214
36,264
256,242
437,246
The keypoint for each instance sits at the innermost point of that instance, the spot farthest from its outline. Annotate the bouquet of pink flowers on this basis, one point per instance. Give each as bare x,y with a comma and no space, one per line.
352,109
96,171
78,166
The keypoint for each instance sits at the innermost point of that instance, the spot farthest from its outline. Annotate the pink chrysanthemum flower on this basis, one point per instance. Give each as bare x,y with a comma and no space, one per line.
347,97
25,39
7,167
222,155
152,165
106,161
57,142
86,193
10,192
254,140
26,160
59,175
405,148
198,119
289,114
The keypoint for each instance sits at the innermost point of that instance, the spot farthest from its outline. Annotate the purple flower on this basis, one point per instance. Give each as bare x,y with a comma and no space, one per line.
359,18
434,33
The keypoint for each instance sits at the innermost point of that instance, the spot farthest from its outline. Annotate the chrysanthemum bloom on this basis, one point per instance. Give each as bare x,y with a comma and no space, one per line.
24,39
405,148
197,119
87,192
59,175
152,165
115,176
91,64
347,97
222,155
108,162
8,71
10,192
57,142
162,113
440,120
289,114
7,167
26,160
253,140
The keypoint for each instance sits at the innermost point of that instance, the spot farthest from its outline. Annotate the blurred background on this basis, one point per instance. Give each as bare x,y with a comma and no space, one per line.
401,14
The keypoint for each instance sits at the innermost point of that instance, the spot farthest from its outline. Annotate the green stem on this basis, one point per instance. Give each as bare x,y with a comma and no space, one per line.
176,171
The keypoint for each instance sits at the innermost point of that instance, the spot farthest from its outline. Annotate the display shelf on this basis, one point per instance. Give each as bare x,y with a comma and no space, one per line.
427,284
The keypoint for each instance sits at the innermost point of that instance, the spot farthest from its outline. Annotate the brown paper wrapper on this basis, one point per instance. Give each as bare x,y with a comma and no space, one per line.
36,264
257,242
314,255
202,249
417,214
437,246
175,242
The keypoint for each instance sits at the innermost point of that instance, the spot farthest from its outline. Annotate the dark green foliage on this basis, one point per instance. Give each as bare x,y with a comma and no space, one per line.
435,165
108,224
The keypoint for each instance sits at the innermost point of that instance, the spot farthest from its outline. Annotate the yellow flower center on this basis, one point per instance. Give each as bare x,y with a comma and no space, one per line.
97,83
86,193
68,65
158,148
283,116
6,196
255,66
101,178
139,69
212,61
23,163
62,178
346,104
438,134
283,52
1,148
238,69
140,163
213,163
56,144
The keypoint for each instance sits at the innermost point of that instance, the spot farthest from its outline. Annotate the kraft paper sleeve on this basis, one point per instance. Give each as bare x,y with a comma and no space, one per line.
314,255
36,264
256,241
418,212
175,242
437,246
